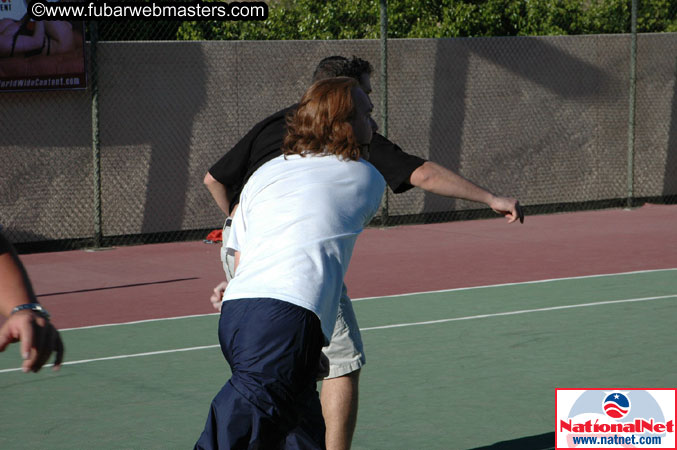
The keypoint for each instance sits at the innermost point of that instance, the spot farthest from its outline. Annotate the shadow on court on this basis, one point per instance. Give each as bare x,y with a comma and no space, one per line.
122,286
543,441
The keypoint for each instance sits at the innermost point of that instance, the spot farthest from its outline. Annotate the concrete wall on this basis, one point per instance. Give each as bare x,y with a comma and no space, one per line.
544,119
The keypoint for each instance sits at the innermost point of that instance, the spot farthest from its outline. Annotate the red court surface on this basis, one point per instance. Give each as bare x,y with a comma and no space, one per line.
82,288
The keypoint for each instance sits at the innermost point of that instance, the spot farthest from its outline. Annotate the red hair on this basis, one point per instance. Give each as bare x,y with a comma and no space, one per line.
321,123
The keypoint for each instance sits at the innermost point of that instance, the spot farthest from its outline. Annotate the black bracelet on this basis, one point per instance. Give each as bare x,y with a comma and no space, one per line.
35,307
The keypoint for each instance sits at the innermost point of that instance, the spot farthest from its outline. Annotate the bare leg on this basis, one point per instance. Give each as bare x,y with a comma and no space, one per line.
339,397
23,43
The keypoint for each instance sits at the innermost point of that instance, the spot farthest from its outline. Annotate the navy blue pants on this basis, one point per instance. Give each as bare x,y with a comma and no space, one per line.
271,401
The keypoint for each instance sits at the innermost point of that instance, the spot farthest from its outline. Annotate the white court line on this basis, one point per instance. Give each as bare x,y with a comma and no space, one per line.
137,321
389,296
516,284
523,311
430,322
83,361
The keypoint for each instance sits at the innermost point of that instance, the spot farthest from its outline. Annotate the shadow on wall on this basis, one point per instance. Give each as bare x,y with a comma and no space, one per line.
548,66
448,115
150,96
670,178
45,140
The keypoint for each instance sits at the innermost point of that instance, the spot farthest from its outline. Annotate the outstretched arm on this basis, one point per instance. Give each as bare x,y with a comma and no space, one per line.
439,180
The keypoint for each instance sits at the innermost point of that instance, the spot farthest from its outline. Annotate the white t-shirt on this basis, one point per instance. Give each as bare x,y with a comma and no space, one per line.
296,227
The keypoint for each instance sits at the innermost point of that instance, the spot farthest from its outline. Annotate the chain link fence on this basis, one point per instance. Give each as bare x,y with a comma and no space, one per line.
542,119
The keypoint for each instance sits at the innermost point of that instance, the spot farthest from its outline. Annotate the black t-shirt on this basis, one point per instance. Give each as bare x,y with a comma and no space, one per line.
264,142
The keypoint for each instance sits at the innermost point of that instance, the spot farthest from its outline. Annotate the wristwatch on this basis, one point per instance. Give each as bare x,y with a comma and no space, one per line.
35,307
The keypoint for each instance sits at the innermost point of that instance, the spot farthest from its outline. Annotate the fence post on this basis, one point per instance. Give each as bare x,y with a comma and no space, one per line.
632,106
384,89
96,149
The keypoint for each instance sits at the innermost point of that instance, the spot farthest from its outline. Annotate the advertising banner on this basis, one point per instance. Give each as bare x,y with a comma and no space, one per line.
39,55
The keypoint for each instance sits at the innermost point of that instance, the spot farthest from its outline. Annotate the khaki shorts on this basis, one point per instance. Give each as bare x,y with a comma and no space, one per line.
345,351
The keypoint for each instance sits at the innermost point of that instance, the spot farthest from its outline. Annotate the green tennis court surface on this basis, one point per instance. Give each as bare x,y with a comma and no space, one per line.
458,369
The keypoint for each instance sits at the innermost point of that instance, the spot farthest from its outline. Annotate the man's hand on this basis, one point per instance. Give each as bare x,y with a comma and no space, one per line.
439,180
217,295
509,207
38,339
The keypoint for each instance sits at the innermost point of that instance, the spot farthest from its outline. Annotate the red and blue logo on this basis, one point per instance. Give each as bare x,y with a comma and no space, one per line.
616,405
616,418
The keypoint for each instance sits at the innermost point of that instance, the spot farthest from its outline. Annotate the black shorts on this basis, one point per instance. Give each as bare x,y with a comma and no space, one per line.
271,401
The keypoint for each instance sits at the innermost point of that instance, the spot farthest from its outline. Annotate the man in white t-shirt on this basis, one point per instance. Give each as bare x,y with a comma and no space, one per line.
294,233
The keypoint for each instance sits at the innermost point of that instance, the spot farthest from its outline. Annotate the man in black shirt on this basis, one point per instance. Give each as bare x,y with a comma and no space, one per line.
402,171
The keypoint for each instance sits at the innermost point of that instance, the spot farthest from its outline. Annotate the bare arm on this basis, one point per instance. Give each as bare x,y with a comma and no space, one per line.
38,336
219,193
439,180
14,287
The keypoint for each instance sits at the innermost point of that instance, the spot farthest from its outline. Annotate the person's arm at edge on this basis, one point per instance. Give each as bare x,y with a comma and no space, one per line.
15,288
37,334
437,179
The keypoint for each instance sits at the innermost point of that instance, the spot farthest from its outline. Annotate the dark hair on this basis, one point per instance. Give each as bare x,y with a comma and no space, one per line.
321,123
339,66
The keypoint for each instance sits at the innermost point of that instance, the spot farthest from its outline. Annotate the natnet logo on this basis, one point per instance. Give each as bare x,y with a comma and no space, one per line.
615,418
